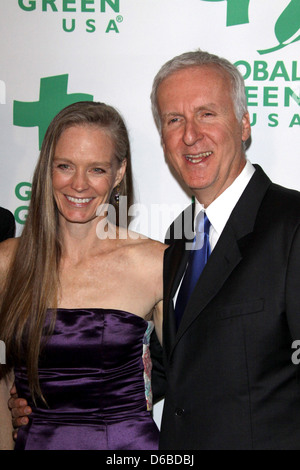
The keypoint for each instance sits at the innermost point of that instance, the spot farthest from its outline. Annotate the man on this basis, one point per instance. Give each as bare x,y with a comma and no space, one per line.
7,224
231,382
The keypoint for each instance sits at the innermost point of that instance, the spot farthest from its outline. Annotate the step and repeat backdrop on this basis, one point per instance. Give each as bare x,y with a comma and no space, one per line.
55,52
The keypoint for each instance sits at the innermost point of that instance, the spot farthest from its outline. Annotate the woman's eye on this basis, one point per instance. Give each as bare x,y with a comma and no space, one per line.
63,166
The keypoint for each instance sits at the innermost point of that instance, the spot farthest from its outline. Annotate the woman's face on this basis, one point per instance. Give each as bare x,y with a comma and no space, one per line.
85,171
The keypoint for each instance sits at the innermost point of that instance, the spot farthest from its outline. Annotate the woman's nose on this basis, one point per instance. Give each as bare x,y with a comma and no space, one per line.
80,181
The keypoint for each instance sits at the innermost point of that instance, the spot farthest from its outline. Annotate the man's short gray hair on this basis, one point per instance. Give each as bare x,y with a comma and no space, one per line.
199,58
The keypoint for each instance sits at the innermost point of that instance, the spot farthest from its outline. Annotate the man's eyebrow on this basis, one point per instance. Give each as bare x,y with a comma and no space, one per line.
201,107
170,114
205,106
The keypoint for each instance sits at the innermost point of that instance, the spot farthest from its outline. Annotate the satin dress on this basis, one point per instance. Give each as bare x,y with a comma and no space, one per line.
94,373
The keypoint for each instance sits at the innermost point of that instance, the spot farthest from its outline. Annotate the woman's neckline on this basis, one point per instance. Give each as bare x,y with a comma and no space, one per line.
98,309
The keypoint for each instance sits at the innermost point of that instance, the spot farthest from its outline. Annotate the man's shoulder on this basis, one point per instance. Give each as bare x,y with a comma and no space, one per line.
279,210
182,226
287,193
276,190
271,197
285,199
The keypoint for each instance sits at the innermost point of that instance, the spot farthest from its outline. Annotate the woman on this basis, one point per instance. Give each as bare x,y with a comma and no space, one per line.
80,294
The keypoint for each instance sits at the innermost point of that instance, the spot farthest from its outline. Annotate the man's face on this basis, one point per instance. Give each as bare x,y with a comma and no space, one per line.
201,136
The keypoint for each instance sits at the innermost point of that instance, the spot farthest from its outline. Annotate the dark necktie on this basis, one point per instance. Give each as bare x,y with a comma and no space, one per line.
197,260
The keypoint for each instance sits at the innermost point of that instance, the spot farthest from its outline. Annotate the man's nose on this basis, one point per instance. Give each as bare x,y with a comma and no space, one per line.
192,132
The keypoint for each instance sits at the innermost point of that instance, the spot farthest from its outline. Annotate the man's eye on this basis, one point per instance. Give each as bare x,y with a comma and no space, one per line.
98,170
173,120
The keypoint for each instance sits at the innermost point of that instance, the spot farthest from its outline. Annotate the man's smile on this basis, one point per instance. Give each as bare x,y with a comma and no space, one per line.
197,158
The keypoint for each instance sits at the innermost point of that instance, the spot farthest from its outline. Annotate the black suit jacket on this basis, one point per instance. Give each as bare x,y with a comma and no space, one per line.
231,382
7,224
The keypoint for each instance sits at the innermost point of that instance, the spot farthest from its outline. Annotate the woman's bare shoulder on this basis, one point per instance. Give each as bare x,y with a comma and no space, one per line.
7,250
149,256
8,246
155,247
141,243
149,247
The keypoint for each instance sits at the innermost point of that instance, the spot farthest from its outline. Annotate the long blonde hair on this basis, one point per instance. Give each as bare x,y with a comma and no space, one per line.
33,281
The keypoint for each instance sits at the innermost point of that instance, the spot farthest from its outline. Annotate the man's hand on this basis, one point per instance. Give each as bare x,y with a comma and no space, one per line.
19,410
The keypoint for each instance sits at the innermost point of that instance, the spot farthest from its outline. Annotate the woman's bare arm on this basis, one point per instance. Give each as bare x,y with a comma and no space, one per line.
7,251
6,427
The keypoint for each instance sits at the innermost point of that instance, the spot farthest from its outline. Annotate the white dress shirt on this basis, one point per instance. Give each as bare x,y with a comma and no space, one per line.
218,212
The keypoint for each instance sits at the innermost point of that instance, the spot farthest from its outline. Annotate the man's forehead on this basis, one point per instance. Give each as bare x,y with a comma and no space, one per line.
195,70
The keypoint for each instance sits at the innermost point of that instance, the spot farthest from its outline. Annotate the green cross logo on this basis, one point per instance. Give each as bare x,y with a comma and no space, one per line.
286,28
237,11
53,98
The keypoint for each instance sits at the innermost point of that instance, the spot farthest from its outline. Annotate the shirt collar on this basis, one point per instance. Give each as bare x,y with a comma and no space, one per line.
220,209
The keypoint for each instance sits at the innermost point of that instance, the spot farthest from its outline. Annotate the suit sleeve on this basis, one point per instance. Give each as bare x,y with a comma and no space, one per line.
293,287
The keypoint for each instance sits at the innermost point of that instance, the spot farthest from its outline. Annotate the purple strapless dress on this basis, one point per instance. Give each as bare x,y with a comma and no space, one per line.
93,373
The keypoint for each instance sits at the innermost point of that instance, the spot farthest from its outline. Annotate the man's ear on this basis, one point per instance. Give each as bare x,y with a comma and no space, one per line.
246,127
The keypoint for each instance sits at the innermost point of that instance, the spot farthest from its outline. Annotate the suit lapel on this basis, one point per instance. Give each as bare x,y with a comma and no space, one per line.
224,258
174,264
175,260
220,265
